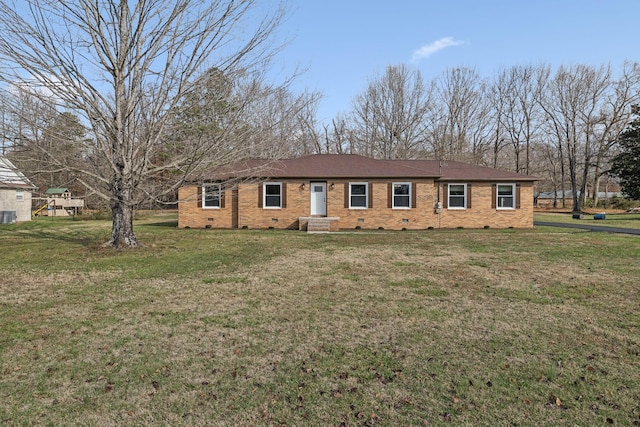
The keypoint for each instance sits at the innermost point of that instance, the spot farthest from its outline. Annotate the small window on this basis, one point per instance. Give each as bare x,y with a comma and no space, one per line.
401,195
272,195
211,196
457,196
358,195
506,196
19,195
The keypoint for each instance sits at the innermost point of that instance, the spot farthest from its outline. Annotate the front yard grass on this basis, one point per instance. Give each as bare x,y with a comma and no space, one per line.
208,327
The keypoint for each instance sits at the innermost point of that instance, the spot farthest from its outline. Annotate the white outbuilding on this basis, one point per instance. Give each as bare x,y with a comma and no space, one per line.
15,194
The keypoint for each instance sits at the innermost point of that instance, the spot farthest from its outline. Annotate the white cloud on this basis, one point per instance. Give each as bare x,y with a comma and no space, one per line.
35,85
430,49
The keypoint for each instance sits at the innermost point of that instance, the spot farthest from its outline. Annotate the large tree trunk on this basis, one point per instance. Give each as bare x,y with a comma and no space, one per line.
122,234
596,186
577,200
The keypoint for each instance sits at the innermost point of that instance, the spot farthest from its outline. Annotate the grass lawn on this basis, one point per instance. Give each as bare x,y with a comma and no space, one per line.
226,328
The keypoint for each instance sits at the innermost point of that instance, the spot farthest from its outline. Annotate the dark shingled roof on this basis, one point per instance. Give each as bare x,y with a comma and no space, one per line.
459,171
352,166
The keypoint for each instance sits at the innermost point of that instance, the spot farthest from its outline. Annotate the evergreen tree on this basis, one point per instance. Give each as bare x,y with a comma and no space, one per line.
626,165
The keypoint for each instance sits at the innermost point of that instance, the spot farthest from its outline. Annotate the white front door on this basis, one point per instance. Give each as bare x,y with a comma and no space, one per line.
318,198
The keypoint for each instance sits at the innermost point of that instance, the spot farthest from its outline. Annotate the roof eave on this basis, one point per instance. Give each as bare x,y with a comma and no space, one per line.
10,186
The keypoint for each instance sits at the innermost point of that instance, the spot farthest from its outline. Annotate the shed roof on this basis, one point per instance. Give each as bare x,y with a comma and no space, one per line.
352,166
56,190
11,177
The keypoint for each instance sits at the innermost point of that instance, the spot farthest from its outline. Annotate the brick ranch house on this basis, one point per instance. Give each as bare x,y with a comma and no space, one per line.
337,191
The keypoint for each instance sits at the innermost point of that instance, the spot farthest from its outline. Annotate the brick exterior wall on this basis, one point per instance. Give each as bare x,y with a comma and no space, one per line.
379,214
242,208
193,216
482,213
251,215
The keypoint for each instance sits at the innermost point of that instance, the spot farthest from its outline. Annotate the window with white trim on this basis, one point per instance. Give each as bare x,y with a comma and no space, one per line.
211,196
402,195
20,195
457,196
506,196
272,195
358,195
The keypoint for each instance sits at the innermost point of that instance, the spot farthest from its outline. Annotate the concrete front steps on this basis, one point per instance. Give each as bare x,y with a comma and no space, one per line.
319,224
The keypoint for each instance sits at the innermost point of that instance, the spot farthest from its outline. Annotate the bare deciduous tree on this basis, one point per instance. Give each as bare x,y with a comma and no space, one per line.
460,107
34,129
339,137
389,116
573,105
125,68
520,117
275,122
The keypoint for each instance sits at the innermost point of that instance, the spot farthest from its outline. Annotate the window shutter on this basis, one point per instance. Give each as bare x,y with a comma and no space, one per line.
283,196
199,196
468,196
370,195
222,194
494,194
390,195
414,191
445,196
517,196
260,196
346,195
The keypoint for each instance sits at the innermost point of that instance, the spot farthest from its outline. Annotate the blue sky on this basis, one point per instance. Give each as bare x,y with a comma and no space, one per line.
344,44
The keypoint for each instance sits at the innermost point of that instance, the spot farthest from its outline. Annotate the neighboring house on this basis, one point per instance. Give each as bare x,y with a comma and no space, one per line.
331,191
15,194
57,202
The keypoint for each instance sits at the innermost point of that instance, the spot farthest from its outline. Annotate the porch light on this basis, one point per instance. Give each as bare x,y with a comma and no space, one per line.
332,186
302,186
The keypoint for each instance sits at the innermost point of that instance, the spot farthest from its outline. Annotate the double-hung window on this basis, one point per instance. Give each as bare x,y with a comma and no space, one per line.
506,196
457,196
272,195
401,195
358,195
20,195
211,196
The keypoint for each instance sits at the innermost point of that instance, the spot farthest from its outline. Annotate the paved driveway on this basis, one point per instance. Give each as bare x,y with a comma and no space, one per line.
589,227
